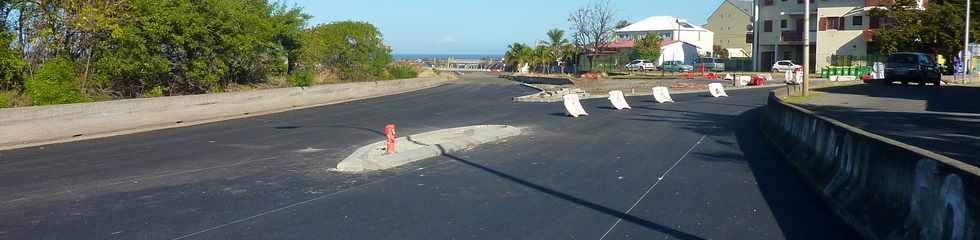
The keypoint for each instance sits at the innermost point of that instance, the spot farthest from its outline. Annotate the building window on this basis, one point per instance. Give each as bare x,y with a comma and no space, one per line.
782,24
874,22
857,20
828,23
767,26
767,3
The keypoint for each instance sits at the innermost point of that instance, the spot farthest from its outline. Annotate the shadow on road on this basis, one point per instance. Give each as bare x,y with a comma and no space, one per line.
951,135
800,213
609,211
948,126
949,99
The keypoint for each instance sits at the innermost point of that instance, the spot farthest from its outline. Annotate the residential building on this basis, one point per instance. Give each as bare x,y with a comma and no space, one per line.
729,23
670,28
837,28
670,50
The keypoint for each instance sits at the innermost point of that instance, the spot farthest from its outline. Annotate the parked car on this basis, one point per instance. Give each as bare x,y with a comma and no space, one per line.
785,65
710,64
911,67
640,65
675,66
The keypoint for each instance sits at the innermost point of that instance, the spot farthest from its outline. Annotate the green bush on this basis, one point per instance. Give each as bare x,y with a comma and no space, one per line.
301,78
402,72
154,92
55,83
6,99
11,64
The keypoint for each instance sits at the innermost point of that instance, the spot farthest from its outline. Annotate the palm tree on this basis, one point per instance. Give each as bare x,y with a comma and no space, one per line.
556,41
542,57
517,54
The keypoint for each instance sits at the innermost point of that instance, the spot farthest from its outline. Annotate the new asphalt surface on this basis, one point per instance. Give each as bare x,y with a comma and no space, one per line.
695,169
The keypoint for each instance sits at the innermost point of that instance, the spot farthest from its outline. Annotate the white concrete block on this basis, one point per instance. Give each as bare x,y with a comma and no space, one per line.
618,100
662,95
573,106
717,90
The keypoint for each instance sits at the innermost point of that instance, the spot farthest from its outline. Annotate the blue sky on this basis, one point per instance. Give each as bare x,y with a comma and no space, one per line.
482,26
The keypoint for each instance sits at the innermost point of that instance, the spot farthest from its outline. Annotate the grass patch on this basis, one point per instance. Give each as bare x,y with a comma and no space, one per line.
797,100
9,99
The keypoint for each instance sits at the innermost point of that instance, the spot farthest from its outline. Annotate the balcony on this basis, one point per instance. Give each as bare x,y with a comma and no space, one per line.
792,36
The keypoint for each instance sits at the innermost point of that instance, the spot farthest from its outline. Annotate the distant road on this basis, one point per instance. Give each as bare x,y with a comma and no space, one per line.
696,169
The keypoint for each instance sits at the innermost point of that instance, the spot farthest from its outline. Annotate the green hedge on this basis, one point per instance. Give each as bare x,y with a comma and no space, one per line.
55,83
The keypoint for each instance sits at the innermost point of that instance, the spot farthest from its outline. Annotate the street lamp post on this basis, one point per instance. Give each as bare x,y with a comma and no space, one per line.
967,55
806,47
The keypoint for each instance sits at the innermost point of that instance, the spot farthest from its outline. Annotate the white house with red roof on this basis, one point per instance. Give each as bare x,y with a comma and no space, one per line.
670,28
671,50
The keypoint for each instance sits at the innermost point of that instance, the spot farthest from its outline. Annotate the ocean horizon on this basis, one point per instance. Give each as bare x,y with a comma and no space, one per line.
413,56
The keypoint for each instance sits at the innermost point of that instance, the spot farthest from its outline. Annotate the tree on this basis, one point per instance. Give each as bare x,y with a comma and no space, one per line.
556,44
938,29
354,49
622,24
648,47
592,27
542,57
517,54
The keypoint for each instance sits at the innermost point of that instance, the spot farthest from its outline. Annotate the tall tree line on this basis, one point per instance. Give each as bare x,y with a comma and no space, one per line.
127,48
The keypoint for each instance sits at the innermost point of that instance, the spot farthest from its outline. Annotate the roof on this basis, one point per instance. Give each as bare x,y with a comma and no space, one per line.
629,43
661,23
744,5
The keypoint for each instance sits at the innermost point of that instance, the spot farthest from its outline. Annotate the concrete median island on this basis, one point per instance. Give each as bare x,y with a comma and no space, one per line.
883,188
424,146
32,126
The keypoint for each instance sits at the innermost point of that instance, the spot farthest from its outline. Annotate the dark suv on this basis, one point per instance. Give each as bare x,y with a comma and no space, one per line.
911,67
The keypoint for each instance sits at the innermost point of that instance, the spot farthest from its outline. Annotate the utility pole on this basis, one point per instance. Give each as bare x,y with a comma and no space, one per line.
756,56
806,47
967,55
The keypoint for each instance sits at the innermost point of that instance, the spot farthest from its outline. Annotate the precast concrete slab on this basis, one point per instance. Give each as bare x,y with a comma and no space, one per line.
423,146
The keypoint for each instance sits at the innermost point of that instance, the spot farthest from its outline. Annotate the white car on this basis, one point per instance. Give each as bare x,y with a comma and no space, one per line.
784,65
640,65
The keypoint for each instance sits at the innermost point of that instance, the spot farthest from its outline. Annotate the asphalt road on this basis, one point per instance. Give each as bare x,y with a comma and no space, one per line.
695,169
945,120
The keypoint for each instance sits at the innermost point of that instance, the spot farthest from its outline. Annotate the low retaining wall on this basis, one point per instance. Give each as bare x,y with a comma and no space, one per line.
541,80
57,123
883,188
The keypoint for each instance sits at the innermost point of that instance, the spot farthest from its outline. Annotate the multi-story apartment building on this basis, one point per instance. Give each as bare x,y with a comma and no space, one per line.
729,22
837,28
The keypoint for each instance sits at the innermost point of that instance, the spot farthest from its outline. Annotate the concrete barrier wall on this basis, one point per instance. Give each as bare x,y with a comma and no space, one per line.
541,80
883,188
43,124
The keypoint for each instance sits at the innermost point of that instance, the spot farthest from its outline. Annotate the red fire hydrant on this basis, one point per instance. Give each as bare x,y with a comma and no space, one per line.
390,132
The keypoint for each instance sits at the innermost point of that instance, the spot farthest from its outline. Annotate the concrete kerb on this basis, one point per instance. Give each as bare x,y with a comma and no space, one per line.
43,125
883,188
423,146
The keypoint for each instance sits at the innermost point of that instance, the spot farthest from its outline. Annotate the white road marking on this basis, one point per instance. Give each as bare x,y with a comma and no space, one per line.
650,189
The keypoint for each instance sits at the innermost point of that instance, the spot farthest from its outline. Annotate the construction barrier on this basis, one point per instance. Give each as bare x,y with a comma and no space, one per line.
883,188
717,90
573,106
618,100
662,95
744,80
